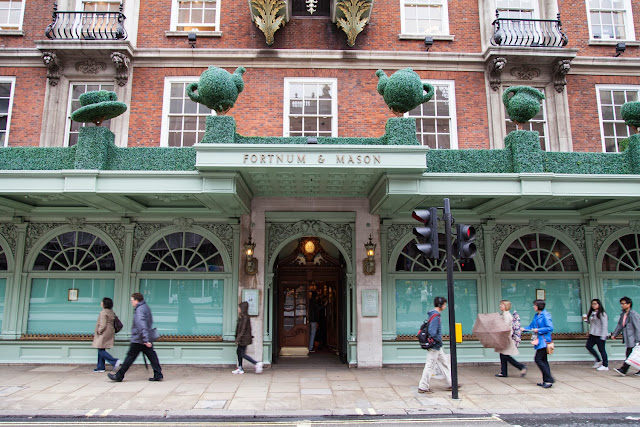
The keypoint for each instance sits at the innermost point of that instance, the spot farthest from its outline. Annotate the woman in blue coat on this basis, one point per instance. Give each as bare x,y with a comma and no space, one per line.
541,328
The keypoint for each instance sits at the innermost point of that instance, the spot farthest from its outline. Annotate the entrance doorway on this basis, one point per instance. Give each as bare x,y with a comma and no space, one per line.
309,289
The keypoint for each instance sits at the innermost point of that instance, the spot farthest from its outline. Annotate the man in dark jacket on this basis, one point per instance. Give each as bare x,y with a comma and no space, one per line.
435,355
629,325
141,340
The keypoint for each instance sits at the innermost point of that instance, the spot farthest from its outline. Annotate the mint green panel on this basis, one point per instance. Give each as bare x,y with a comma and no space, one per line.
562,298
51,312
3,290
414,298
614,289
185,307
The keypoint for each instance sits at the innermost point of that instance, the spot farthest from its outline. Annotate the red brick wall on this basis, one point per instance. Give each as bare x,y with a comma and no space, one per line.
37,15
28,101
583,108
259,109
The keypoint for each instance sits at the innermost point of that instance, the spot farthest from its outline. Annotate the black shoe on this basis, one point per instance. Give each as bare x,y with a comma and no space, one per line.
540,384
501,376
156,379
546,385
113,377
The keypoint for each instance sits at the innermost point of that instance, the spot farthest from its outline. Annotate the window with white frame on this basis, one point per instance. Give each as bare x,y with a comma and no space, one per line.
425,17
517,9
610,20
93,23
6,103
612,128
310,107
11,14
436,120
183,120
75,90
538,123
101,6
201,15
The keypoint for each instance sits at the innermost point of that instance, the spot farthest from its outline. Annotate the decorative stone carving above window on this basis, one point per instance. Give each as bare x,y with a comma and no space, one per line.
90,66
269,15
351,16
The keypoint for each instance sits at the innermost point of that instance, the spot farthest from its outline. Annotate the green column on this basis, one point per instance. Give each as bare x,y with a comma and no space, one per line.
489,290
16,305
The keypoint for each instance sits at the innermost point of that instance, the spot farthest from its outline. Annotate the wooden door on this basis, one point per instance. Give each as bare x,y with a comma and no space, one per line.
293,330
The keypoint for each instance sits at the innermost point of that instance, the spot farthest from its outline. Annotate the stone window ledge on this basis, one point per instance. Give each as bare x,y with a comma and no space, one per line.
11,32
443,37
612,42
198,33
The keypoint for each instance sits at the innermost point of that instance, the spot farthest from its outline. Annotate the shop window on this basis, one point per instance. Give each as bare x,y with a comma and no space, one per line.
310,107
436,120
610,20
613,129
538,123
411,259
77,89
6,104
11,14
201,15
183,120
425,17
75,251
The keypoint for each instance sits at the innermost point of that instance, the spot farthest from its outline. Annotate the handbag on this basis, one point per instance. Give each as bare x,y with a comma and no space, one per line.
550,347
117,324
153,335
634,357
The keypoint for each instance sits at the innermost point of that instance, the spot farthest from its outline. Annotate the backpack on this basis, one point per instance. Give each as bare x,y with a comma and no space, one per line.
516,333
117,324
426,342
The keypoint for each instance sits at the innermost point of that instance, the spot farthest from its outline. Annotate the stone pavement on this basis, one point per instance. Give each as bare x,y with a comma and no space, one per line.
299,391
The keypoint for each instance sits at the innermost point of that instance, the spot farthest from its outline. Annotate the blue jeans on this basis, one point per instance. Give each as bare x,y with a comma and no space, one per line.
104,355
312,334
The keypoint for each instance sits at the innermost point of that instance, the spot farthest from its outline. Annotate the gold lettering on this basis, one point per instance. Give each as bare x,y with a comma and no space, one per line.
254,158
301,158
340,158
376,159
290,158
262,157
367,159
246,157
270,158
350,160
279,158
359,159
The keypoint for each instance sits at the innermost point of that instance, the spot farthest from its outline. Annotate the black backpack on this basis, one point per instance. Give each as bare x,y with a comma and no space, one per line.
426,342
117,324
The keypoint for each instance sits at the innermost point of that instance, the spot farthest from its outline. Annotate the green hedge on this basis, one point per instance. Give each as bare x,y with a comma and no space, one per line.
585,163
153,159
37,158
469,161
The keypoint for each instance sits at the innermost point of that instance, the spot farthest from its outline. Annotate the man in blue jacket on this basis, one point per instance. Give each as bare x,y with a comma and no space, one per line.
435,355
541,327
141,340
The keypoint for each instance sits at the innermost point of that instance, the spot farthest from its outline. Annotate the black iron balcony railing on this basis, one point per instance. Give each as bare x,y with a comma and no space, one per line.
87,25
528,32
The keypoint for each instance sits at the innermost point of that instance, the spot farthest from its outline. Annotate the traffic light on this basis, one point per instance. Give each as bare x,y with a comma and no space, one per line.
429,231
466,236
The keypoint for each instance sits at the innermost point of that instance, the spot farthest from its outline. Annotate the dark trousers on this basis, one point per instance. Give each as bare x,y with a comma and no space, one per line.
595,340
504,359
543,364
103,355
134,350
624,368
241,352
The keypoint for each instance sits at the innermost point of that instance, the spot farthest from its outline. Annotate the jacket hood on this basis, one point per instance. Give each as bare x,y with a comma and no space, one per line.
244,307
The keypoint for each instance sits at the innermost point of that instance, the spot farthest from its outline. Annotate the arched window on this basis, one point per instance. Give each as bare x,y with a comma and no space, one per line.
620,264
71,274
418,280
540,265
181,280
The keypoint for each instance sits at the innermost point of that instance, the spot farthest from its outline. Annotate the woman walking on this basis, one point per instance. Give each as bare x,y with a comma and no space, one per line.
104,335
244,338
541,327
506,355
598,321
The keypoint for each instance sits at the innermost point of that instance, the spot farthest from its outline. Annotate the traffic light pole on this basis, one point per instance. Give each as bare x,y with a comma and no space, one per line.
450,299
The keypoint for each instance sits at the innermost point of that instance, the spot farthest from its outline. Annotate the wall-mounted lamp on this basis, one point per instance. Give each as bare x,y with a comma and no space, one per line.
369,263
428,42
620,48
191,37
250,263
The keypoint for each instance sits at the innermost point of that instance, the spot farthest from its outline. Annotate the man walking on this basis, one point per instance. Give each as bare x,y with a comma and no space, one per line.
141,340
629,325
435,355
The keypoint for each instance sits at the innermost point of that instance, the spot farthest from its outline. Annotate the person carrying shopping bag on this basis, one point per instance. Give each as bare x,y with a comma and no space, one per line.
541,327
629,325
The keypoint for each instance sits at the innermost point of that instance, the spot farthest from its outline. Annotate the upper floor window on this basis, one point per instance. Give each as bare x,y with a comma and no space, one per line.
517,9
77,89
436,120
201,15
537,123
612,128
310,107
101,6
11,14
6,102
183,121
610,19
310,7
425,17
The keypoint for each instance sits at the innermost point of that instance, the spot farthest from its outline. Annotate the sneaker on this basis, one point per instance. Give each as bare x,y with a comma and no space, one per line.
637,374
546,385
523,372
620,372
117,365
423,391
312,351
98,370
259,368
602,368
238,371
597,365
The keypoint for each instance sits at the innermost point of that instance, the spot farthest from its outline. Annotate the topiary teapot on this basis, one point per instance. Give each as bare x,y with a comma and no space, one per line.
523,104
630,113
404,90
217,88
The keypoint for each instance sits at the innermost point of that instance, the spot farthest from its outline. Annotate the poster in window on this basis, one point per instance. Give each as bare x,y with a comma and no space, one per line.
540,294
73,295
